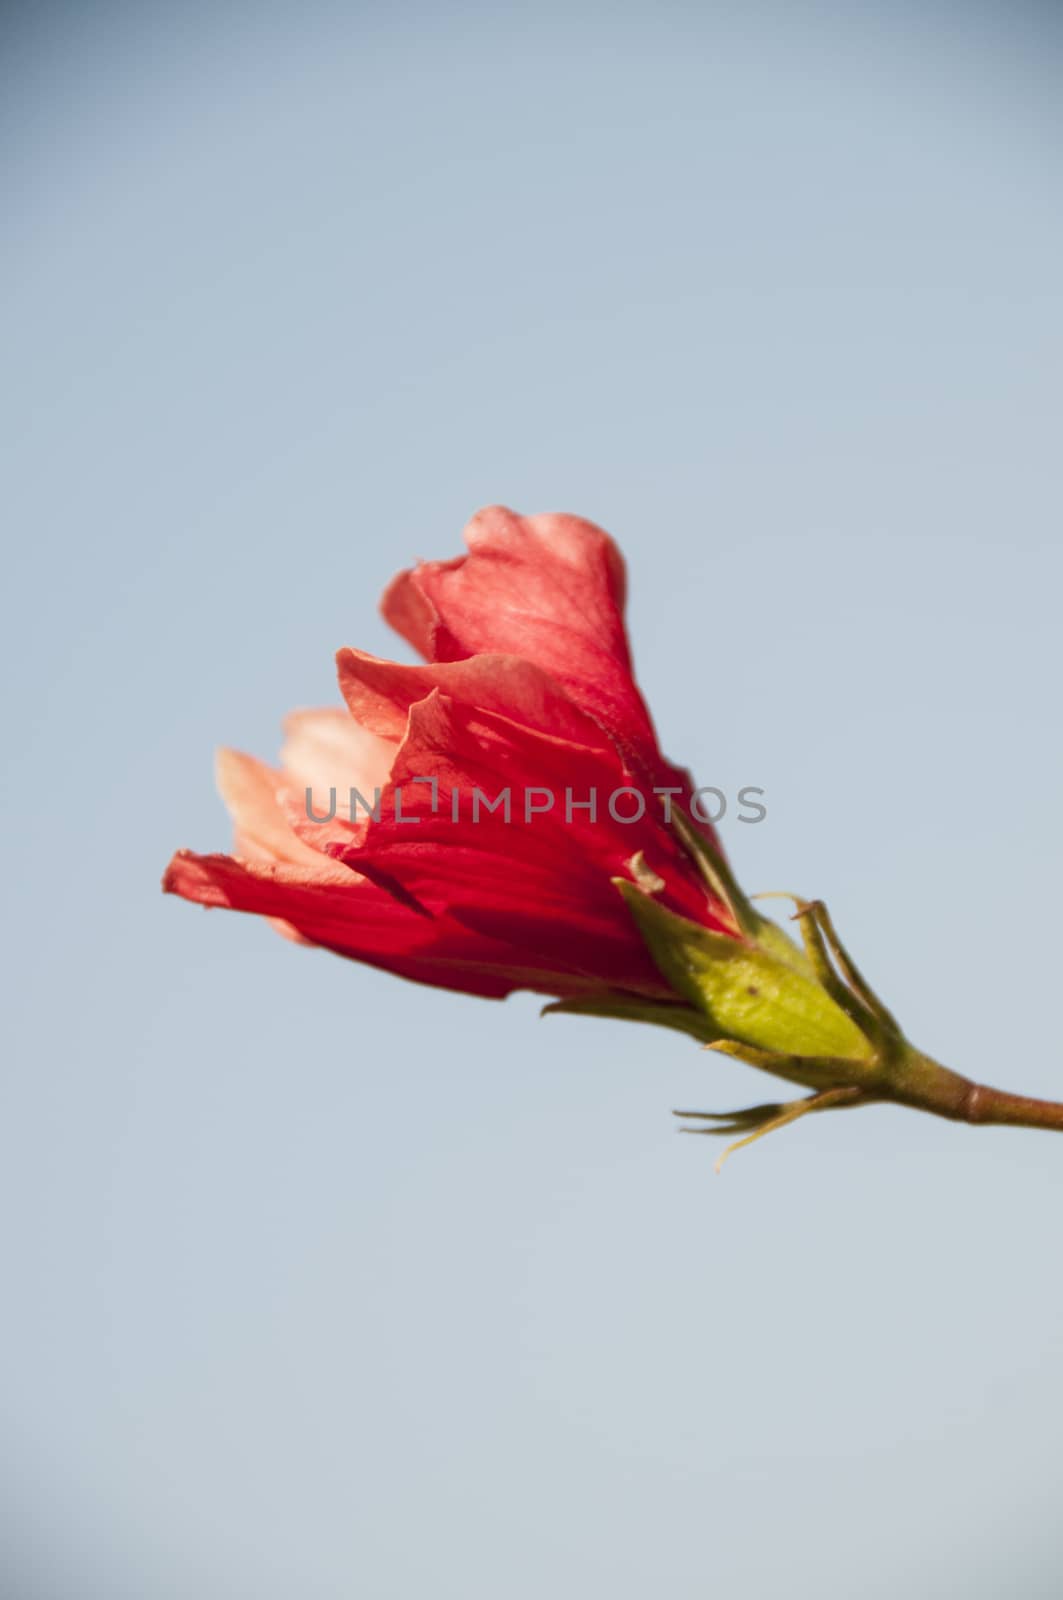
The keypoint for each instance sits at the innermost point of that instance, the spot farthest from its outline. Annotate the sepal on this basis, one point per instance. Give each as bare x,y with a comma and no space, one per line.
749,994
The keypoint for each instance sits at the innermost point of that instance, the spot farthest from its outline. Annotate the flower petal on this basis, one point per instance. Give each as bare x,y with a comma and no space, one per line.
548,588
340,911
329,749
252,792
380,693
542,880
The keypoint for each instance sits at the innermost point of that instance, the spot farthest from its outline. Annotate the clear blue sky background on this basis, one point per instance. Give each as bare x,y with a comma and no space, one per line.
321,1285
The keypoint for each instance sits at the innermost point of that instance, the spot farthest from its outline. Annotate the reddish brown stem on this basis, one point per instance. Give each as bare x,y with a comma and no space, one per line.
918,1080
1019,1110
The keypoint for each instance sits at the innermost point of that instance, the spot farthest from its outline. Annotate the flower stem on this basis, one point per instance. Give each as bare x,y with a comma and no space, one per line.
920,1081
985,1105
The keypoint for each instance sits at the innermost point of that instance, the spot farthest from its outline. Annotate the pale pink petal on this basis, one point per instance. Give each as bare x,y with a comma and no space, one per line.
252,792
328,750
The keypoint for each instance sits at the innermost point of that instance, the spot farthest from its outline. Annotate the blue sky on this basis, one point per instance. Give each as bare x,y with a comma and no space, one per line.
321,1283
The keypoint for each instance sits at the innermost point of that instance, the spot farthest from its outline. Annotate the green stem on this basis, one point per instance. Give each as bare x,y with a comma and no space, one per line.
920,1081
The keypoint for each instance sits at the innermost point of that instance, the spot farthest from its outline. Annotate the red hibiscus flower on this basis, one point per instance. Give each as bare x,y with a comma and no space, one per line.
528,705
502,818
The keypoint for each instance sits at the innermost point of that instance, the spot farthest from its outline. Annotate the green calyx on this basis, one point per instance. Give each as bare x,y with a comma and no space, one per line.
804,1013
760,999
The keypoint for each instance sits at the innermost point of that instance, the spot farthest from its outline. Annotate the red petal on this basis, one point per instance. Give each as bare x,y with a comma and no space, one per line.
380,693
351,916
547,588
542,884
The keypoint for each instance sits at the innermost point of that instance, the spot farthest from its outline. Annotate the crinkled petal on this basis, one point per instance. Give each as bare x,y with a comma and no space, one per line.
380,693
541,880
331,749
547,588
253,793
354,917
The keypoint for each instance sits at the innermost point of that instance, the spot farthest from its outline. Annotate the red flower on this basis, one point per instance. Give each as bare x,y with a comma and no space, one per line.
528,693
483,867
